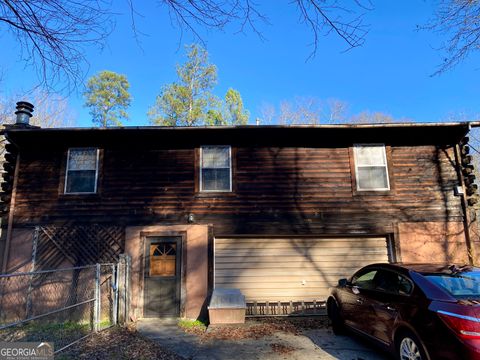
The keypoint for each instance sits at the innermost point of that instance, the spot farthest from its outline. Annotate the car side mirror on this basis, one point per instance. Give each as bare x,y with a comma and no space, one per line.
342,282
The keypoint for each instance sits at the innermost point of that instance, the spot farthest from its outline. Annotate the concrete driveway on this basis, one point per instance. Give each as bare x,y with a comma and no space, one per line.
310,344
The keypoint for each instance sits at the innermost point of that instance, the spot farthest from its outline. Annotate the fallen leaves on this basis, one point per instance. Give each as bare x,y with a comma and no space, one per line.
257,328
247,331
117,343
282,349
127,343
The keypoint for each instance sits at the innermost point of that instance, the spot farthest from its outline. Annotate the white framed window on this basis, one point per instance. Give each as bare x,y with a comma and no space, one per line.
215,168
82,171
371,169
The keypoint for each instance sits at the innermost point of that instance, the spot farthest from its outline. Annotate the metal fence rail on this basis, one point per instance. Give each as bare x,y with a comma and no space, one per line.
61,306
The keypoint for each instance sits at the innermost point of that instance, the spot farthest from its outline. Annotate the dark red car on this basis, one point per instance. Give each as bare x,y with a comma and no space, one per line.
416,311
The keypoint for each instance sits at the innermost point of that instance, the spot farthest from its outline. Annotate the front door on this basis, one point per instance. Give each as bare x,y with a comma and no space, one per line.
162,276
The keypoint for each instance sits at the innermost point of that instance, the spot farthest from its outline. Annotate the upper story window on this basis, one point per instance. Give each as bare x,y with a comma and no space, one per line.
371,167
82,171
215,168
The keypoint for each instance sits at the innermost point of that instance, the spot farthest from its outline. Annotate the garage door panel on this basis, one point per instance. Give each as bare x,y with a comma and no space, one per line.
281,272
279,279
275,284
298,252
294,265
274,243
295,256
284,269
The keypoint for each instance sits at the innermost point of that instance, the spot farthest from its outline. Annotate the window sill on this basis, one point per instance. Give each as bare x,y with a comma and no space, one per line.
212,194
79,196
361,193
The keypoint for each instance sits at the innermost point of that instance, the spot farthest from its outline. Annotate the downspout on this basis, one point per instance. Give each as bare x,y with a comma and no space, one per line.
464,204
11,210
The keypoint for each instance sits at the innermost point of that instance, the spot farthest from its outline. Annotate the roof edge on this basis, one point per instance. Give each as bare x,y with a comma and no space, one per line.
227,127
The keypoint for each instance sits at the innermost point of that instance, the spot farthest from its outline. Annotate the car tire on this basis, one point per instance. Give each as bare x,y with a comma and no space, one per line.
409,347
335,318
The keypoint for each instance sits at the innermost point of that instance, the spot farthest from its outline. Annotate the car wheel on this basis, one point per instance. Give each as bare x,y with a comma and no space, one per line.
335,318
410,348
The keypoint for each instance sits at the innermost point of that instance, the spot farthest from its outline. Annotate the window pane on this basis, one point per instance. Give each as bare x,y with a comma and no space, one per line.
81,181
216,179
215,157
82,159
374,177
461,285
387,281
162,259
370,155
365,280
404,286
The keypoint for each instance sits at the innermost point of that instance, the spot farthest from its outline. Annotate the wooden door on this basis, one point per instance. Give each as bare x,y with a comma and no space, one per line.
162,277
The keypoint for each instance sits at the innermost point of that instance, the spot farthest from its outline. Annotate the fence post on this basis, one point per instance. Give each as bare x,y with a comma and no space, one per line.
28,309
115,293
96,311
128,263
123,288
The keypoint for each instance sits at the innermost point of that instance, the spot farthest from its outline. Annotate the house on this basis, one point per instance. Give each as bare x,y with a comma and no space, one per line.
279,212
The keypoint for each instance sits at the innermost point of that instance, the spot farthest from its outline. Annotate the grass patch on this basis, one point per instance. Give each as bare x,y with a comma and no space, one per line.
192,326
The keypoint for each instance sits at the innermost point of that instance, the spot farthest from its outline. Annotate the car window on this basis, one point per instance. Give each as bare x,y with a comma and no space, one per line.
392,282
404,286
460,285
364,279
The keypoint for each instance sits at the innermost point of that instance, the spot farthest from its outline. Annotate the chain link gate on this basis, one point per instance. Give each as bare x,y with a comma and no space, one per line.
63,306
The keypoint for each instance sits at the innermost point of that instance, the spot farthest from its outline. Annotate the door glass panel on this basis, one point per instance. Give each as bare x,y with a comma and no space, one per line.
391,282
163,259
387,281
365,280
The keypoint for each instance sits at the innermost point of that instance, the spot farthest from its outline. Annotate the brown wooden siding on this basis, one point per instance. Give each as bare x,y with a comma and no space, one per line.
281,190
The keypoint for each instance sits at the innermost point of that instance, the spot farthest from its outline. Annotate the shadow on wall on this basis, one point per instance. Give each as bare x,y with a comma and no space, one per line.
291,195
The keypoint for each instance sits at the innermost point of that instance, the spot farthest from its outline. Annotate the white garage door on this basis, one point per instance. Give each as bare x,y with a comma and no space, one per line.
284,269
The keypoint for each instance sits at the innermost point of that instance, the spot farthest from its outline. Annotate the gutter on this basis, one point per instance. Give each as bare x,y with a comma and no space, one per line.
240,127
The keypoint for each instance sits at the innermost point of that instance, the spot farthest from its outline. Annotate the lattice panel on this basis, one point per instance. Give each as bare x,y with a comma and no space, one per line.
79,244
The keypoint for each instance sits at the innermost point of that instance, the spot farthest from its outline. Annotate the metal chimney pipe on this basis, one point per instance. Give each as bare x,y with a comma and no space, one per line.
24,112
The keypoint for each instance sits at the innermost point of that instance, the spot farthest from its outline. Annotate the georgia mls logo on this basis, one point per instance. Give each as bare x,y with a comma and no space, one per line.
44,349
26,351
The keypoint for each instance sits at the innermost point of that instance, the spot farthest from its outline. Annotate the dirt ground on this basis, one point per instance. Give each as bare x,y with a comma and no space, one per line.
264,339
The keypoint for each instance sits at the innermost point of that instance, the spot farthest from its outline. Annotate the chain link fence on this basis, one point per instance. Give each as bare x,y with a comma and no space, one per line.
61,306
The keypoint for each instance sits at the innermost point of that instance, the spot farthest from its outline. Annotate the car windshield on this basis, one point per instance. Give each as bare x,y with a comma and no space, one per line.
458,284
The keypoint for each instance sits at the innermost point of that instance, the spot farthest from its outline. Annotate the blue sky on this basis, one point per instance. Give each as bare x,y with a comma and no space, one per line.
390,73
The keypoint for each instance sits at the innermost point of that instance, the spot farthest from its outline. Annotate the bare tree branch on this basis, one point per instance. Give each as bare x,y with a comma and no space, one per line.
459,22
51,110
321,16
327,16
51,33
